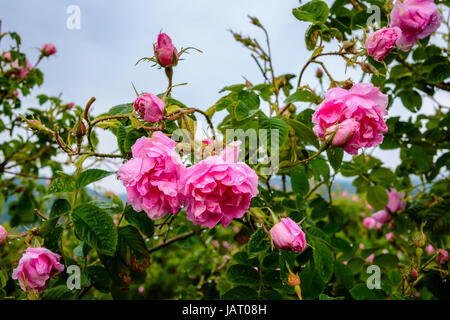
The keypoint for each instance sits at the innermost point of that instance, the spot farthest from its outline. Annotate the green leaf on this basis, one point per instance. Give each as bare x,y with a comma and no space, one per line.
132,249
258,244
301,95
302,131
439,73
344,274
377,197
277,131
242,274
250,99
63,184
335,156
139,220
299,182
311,284
395,277
240,293
61,292
386,260
91,175
361,292
59,208
324,261
96,228
99,278
315,11
412,100
121,109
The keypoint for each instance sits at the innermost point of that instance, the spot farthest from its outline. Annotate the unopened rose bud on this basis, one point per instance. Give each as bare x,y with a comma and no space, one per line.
347,84
443,256
70,105
343,132
319,73
150,107
165,52
7,56
36,124
367,67
3,235
293,279
48,49
349,46
287,235
415,274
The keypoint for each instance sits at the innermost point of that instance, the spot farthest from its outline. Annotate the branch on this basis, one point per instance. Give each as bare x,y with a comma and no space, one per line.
172,240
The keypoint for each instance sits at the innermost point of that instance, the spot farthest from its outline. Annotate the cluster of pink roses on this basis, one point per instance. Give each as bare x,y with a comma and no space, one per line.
396,203
21,72
217,189
411,20
354,117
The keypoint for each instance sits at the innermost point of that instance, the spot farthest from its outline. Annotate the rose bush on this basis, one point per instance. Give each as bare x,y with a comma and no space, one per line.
253,208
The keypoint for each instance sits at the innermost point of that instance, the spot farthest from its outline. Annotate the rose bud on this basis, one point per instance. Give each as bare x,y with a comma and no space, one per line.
430,249
319,73
3,234
381,42
344,132
150,107
443,256
7,56
370,258
414,274
369,223
389,236
293,279
70,105
396,201
36,267
287,235
165,52
48,49
382,216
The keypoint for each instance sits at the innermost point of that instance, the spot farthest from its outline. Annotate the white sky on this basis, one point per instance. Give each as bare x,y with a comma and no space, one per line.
98,60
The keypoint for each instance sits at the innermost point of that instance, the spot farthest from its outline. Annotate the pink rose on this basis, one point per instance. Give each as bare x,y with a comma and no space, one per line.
3,234
7,56
152,176
370,258
381,42
364,104
165,52
389,236
288,235
369,223
208,141
416,18
381,216
396,201
219,188
430,249
21,72
361,246
150,107
48,49
443,256
36,267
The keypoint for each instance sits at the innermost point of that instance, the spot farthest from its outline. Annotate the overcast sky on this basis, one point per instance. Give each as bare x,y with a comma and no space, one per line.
99,59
